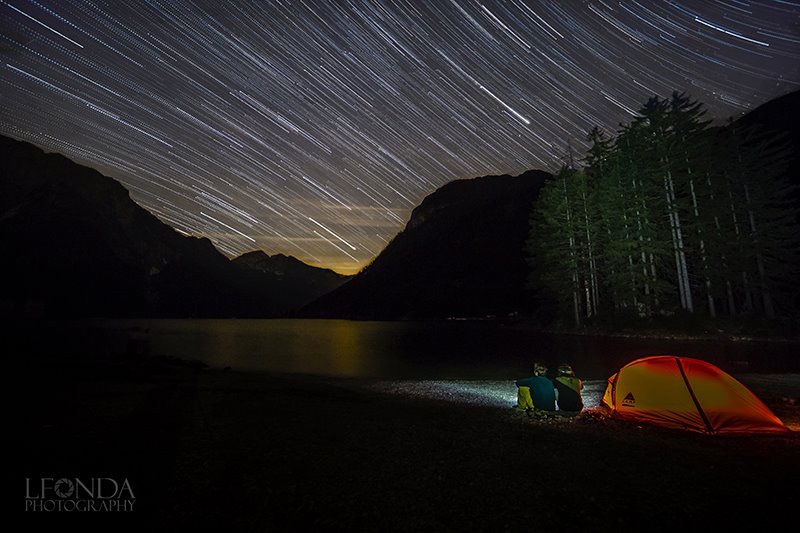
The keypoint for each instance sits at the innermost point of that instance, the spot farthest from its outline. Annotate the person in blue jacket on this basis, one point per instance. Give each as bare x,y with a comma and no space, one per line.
536,394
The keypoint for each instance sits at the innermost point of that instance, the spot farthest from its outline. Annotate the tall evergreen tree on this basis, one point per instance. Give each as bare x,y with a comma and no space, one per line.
554,242
694,156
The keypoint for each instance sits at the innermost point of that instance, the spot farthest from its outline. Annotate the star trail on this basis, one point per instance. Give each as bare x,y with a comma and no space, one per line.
313,128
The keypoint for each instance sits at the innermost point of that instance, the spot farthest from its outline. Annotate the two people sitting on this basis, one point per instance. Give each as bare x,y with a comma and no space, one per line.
537,394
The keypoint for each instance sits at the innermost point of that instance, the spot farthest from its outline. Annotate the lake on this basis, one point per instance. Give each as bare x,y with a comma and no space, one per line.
386,350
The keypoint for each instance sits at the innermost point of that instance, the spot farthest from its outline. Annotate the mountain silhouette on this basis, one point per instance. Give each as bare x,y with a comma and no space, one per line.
779,114
75,244
294,281
460,255
782,117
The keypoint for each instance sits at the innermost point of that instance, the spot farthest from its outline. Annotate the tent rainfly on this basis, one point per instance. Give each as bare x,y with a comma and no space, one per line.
685,393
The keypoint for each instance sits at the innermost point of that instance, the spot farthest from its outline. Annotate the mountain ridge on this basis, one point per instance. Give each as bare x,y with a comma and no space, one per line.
76,244
488,214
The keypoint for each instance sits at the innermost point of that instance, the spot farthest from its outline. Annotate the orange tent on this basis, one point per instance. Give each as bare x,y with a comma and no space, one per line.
685,393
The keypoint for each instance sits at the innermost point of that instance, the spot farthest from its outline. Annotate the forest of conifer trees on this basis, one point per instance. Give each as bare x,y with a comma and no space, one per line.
670,216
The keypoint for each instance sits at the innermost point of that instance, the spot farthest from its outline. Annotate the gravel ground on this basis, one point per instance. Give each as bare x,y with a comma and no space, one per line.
479,393
780,391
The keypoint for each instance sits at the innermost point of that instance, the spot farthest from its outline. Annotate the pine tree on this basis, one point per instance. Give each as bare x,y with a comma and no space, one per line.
554,243
693,155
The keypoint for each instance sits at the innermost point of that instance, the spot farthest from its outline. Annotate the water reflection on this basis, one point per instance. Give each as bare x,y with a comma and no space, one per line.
390,350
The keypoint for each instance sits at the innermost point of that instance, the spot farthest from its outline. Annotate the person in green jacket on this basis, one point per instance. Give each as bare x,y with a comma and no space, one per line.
536,394
568,389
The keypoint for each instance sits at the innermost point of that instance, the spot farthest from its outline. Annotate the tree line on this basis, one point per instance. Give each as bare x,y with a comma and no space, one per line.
670,215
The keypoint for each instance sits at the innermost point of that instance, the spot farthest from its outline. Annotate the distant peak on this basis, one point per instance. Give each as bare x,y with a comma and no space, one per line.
254,254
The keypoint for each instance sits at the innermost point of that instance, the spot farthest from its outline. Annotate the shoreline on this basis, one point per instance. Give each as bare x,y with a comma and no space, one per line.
657,334
724,337
507,322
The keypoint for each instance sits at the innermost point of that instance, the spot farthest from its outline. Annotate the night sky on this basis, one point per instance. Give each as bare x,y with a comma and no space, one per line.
313,128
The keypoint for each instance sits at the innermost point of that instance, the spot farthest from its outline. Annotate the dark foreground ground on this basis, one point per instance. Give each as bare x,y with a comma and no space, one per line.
223,450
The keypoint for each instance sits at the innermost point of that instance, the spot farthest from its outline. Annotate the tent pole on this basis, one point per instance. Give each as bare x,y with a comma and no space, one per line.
709,428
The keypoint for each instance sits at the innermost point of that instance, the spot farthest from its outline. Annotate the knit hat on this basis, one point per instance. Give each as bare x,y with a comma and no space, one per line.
565,370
